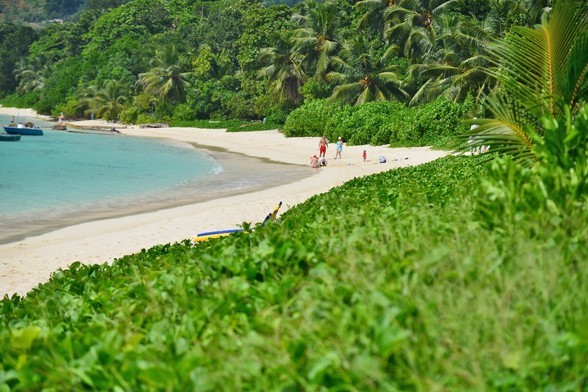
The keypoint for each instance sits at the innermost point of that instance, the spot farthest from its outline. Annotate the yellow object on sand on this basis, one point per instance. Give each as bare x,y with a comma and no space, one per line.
207,235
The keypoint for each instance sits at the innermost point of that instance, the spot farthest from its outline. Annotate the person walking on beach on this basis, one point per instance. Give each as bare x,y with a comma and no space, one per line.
323,144
364,155
339,148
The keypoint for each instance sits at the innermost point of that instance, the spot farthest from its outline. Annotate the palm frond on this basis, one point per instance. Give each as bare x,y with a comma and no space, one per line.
541,71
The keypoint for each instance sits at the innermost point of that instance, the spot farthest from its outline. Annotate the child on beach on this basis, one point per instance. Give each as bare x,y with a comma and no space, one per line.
339,147
364,155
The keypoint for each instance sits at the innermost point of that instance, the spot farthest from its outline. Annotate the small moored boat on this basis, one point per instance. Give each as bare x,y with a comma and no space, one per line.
22,130
5,137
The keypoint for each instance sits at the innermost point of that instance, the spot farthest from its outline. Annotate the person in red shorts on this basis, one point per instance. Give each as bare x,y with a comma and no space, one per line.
323,144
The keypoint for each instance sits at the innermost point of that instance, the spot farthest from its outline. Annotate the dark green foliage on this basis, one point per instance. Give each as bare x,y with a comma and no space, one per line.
290,3
61,85
366,124
137,19
316,90
440,120
379,123
310,119
550,188
20,101
259,23
14,45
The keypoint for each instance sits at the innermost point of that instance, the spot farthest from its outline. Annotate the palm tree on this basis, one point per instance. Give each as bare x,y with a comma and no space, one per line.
412,25
458,65
32,74
108,101
503,14
168,79
315,39
373,17
541,71
285,66
361,77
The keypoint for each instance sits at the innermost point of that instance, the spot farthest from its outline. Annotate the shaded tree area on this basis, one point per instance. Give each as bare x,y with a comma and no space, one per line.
14,44
252,59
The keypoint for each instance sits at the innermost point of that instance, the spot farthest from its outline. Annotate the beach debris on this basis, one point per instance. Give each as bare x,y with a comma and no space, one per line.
154,125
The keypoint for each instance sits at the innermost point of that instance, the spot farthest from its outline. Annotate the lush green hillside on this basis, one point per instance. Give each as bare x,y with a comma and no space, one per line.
182,60
398,281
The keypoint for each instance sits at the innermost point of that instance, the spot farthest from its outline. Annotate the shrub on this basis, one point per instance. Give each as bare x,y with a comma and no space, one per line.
341,123
145,118
380,123
16,100
439,121
309,119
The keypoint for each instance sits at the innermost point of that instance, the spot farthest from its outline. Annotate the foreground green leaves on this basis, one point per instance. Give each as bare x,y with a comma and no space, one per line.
390,282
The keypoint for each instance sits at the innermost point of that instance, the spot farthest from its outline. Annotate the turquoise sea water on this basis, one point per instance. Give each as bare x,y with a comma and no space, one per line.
63,178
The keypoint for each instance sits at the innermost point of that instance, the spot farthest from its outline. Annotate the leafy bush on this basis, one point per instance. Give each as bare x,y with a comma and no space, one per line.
277,114
309,119
380,123
398,128
20,101
341,122
130,115
368,122
440,121
550,188
313,89
71,108
144,118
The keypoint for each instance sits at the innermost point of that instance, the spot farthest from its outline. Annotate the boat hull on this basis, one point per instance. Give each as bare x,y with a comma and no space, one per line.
23,131
4,137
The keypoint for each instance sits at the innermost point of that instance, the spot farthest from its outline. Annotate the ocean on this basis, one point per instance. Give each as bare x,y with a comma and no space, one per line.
64,178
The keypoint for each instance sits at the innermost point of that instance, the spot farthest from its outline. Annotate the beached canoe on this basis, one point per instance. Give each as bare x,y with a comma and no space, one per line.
5,137
208,235
95,131
23,131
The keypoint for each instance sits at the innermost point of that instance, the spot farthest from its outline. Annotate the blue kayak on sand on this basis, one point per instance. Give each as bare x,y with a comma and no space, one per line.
207,235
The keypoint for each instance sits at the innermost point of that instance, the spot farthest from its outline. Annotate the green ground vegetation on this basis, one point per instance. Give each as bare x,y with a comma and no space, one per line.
467,273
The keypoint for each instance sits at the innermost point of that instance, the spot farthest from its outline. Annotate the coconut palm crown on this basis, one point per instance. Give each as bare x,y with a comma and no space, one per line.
362,76
541,71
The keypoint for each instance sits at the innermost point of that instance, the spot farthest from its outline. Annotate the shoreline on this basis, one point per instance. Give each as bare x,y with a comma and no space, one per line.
25,264
247,174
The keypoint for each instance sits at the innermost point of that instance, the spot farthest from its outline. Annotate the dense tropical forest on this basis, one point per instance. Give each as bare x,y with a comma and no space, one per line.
180,61
465,274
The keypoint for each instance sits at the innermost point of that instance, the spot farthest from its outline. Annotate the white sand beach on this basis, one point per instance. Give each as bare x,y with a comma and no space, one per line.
27,263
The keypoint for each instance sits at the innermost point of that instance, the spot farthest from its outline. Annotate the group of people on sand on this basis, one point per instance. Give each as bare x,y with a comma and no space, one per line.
321,160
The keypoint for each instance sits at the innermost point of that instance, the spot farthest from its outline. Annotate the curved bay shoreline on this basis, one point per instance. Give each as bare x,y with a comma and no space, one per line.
26,263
